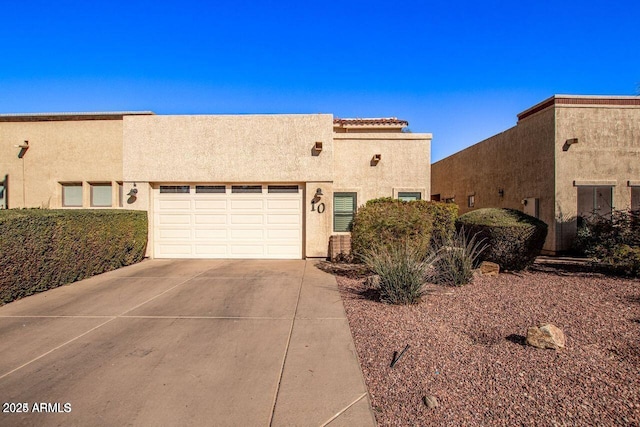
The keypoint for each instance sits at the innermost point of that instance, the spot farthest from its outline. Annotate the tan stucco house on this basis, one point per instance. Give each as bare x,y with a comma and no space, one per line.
241,186
567,156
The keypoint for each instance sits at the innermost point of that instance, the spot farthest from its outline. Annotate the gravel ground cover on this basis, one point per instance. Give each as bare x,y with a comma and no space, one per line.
467,348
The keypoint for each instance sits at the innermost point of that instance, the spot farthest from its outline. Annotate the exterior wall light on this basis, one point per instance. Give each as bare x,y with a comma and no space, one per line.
568,143
319,193
501,192
23,148
318,146
376,159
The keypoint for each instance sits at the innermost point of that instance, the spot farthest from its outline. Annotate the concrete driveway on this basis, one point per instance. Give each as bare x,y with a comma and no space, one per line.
184,342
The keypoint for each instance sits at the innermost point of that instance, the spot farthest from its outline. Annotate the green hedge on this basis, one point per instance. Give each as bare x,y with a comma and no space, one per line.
43,249
514,238
388,222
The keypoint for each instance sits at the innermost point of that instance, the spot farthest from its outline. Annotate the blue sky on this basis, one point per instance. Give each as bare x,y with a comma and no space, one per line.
461,70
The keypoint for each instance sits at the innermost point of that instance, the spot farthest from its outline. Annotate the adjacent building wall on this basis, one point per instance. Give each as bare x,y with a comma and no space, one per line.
76,149
504,170
607,152
403,166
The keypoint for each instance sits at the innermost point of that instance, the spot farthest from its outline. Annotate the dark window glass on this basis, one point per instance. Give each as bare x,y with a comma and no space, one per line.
210,189
174,189
283,189
409,196
246,188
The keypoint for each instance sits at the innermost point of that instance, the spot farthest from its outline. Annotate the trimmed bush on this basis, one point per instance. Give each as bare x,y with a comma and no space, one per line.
612,241
43,249
388,222
403,271
457,258
514,238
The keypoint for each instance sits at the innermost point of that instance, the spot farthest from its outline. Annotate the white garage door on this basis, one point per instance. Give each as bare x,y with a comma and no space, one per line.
228,221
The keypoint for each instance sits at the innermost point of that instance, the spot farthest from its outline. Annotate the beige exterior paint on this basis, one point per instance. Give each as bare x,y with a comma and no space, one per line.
531,160
79,149
144,151
402,167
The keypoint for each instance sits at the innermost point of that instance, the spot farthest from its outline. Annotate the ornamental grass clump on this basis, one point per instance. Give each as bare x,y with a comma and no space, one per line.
403,271
457,258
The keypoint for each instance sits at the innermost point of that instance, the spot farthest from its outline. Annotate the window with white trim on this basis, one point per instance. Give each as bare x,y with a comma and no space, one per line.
409,196
101,195
344,210
595,200
72,194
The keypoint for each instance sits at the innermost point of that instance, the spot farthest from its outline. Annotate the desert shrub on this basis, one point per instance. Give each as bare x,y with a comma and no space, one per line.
513,238
456,259
43,249
612,241
403,271
388,222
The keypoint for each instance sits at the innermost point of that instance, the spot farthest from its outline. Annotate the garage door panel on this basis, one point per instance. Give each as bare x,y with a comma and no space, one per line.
217,234
211,205
246,219
173,204
283,219
210,249
250,204
288,233
175,233
168,218
291,204
177,249
227,224
252,234
201,219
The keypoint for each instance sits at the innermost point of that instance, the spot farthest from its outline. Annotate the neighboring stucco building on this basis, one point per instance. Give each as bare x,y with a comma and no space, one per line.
567,156
249,186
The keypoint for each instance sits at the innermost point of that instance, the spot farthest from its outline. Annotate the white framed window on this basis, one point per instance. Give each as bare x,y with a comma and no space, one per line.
72,194
471,201
101,195
595,200
409,196
344,210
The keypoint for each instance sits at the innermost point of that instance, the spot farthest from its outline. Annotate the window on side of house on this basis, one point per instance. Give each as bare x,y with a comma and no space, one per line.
471,201
635,198
595,200
101,195
344,209
409,196
450,200
72,194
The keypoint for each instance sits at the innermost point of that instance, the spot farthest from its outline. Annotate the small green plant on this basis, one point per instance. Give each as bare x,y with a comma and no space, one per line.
612,241
403,272
457,258
390,222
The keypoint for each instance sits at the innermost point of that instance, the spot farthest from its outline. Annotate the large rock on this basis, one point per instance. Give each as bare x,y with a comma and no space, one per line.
546,336
488,268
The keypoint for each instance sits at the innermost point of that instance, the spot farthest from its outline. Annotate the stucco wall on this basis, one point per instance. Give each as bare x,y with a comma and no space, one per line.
73,150
520,161
404,164
608,151
250,148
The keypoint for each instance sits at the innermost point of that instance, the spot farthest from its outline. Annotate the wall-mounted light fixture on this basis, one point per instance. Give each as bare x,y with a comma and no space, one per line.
376,159
23,148
133,192
568,143
318,146
319,193
501,192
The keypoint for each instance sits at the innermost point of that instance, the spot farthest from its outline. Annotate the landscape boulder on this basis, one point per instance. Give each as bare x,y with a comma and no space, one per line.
546,336
488,268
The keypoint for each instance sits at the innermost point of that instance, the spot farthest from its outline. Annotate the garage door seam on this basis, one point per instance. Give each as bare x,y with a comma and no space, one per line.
286,350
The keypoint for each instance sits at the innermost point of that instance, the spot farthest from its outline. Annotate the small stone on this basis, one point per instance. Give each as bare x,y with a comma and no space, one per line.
489,268
430,402
546,336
